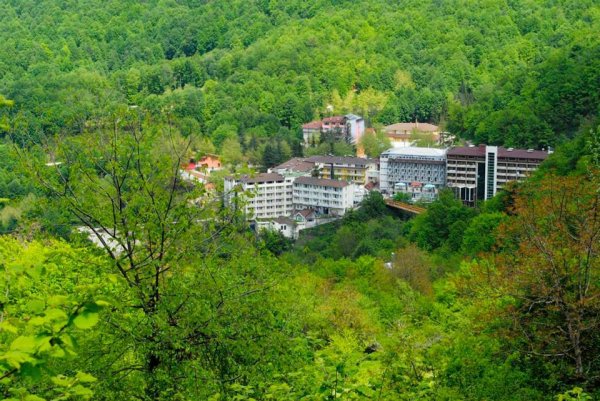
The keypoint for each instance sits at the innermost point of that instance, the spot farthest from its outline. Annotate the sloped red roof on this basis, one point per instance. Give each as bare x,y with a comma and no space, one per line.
313,125
334,120
295,164
305,212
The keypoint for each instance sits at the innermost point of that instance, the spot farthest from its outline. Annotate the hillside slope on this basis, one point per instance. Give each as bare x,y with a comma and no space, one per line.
256,69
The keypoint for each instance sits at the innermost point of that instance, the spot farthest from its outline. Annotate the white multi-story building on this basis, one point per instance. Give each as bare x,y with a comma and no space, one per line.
329,197
412,164
263,196
355,127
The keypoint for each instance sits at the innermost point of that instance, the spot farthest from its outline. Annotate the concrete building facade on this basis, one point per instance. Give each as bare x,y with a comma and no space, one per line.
476,173
311,132
327,197
412,165
263,196
348,128
355,127
296,167
354,169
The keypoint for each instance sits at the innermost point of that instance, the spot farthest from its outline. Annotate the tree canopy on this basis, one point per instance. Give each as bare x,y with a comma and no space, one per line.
119,280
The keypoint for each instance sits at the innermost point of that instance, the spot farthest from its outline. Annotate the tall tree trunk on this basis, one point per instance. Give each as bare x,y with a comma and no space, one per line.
574,326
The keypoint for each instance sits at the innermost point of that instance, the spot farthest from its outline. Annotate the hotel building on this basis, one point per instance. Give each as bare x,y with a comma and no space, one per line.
408,165
477,172
328,197
263,196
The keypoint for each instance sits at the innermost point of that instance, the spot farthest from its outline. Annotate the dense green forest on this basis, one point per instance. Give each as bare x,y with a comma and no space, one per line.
519,73
179,300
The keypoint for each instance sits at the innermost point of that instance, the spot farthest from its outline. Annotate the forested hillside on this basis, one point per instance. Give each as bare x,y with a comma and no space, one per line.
119,280
519,73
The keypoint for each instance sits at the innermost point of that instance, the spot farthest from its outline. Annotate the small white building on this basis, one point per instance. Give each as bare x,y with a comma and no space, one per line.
327,197
194,176
290,227
305,218
284,225
346,168
263,196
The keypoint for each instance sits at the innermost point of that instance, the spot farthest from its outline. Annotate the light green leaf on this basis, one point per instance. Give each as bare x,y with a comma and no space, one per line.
67,340
57,300
32,397
85,377
86,320
58,352
56,314
36,306
16,358
82,391
61,381
6,326
38,321
43,343
24,343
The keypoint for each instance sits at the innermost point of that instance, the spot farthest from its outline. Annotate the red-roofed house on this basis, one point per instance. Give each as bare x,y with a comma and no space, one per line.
311,132
209,162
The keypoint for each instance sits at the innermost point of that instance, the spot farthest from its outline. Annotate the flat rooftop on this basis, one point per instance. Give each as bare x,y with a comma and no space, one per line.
321,182
415,151
479,151
340,160
261,178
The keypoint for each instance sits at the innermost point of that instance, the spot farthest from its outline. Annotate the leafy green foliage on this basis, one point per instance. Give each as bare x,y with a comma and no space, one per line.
191,307
275,241
42,318
442,225
480,235
402,197
499,72
376,143
370,230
